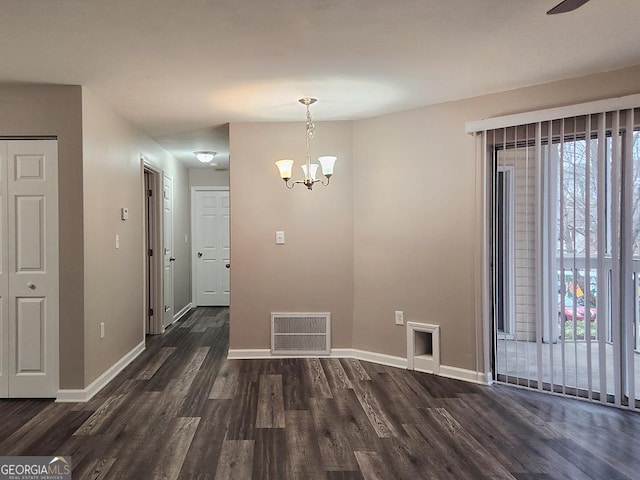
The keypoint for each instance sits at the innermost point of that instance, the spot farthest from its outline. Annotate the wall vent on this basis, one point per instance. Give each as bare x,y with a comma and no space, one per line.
301,333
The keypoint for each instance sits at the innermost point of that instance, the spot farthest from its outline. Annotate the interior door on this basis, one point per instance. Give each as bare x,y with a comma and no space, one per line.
168,249
30,269
211,247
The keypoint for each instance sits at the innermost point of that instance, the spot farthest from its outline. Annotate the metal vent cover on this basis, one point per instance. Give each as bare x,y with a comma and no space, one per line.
301,333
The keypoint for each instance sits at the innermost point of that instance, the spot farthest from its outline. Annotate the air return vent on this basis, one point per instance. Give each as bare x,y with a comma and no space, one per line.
301,333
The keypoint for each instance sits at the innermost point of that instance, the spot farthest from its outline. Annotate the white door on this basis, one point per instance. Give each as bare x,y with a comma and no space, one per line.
167,196
211,252
29,277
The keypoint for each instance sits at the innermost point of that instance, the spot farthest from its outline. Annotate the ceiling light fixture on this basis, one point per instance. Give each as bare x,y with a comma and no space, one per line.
205,156
310,169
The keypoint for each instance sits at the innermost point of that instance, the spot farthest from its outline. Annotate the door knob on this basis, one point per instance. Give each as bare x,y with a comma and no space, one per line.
228,265
172,259
32,286
199,254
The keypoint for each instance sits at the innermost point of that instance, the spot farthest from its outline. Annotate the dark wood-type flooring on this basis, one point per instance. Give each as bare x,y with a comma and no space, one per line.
182,410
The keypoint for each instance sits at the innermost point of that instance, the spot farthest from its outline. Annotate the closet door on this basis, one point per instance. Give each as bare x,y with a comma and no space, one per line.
4,277
31,231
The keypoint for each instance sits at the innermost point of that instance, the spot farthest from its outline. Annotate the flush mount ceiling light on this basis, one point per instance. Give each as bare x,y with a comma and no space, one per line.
205,156
309,169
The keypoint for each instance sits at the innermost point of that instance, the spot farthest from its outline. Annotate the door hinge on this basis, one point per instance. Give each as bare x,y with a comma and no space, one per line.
151,252
151,312
151,193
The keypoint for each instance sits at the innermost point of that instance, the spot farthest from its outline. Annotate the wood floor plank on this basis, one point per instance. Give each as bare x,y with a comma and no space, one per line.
54,437
344,475
270,454
354,370
354,422
152,367
409,460
15,414
97,470
615,451
236,460
587,462
270,412
303,459
375,410
32,430
197,395
295,388
336,376
242,418
205,447
317,380
509,451
335,450
98,418
460,441
373,466
225,385
168,462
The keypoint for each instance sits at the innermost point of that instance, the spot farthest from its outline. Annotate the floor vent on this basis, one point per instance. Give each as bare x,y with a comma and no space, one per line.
301,333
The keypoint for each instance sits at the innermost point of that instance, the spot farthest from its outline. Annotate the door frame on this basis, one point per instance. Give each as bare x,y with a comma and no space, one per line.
224,188
156,280
508,173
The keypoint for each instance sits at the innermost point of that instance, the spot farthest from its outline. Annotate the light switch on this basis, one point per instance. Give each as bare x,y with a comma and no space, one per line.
186,238
280,237
124,213
117,241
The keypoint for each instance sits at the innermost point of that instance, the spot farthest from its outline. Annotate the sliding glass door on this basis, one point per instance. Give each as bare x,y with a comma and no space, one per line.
565,219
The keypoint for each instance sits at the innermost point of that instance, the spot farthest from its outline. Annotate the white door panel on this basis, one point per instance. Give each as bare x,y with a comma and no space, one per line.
211,247
31,231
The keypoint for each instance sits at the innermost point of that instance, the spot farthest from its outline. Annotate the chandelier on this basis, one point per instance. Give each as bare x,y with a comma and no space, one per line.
309,169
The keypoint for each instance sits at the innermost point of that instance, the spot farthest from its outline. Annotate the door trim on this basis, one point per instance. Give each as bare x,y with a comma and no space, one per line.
509,218
157,246
193,230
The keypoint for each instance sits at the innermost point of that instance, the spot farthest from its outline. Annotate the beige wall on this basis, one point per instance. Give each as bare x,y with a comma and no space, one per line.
56,110
114,277
208,177
410,191
415,246
313,271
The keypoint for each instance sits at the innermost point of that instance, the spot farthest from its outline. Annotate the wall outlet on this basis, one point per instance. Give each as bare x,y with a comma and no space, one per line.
101,329
399,317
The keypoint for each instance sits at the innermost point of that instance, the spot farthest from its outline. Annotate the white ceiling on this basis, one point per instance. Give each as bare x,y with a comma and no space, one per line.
181,69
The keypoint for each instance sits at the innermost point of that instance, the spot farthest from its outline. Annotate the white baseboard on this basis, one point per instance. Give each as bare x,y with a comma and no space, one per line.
380,358
463,374
182,312
248,354
86,394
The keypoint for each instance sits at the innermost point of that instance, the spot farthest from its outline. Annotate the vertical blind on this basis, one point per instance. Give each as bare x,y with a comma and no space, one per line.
563,197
